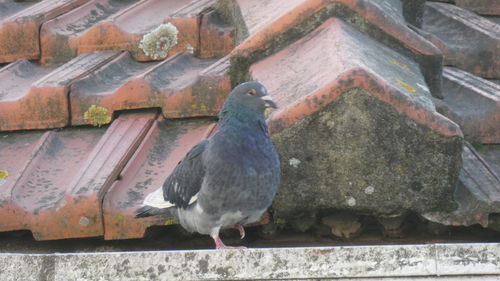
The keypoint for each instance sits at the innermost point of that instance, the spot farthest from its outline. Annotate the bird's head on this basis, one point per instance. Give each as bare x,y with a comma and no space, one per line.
247,100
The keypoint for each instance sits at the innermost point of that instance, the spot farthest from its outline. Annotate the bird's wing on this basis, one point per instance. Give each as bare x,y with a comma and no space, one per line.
181,187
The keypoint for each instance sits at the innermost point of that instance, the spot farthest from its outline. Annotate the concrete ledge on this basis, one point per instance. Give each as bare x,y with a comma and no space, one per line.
393,262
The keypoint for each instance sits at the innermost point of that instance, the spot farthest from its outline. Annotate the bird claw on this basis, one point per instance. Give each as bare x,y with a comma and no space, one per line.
241,230
231,247
219,245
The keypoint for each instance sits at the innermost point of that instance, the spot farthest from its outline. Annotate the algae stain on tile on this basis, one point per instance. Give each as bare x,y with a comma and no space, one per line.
97,115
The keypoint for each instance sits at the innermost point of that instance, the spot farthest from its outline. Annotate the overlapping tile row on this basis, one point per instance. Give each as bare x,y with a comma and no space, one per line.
163,147
60,37
95,85
382,20
119,25
58,179
472,102
482,7
374,125
19,31
470,42
174,85
87,182
478,193
350,73
36,97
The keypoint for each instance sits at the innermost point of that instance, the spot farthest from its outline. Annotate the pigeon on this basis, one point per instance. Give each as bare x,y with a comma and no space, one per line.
229,179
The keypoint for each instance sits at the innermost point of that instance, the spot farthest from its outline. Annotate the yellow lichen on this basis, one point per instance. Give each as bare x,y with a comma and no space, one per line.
3,174
158,42
393,61
280,221
97,115
406,86
170,222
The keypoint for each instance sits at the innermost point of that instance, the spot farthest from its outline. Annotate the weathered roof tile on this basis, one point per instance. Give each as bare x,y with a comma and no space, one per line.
483,7
165,144
352,74
315,68
63,176
346,89
19,33
472,43
36,97
126,29
478,193
472,102
382,20
60,37
172,85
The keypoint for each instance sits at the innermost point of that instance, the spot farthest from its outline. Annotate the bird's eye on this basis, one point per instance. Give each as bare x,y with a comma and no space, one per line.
251,92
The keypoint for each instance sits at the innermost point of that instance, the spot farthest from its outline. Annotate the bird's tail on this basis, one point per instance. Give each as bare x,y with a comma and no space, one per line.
148,211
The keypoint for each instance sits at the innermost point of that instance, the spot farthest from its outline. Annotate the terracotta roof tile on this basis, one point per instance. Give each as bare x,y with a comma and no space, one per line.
360,57
10,7
111,25
164,145
62,177
379,19
472,102
472,43
339,58
478,193
484,7
19,32
60,38
172,85
36,97
336,79
217,38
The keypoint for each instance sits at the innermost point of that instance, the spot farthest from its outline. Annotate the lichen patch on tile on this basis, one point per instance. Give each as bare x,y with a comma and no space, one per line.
97,115
158,42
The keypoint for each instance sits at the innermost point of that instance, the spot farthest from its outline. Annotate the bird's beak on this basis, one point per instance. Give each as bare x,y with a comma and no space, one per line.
268,101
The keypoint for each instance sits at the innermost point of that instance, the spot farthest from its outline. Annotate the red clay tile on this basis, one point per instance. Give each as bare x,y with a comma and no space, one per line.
257,14
60,37
10,7
164,145
126,29
483,7
202,31
35,97
478,193
334,58
380,19
16,153
217,39
472,102
178,86
19,33
472,42
60,179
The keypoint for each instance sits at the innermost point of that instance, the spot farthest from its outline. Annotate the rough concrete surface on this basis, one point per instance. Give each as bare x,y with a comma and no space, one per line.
409,262
364,157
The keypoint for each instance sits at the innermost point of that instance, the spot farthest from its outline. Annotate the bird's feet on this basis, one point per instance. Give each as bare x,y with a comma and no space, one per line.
241,230
219,245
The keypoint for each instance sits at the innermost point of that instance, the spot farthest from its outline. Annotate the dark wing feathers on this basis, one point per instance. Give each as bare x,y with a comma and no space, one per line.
187,177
